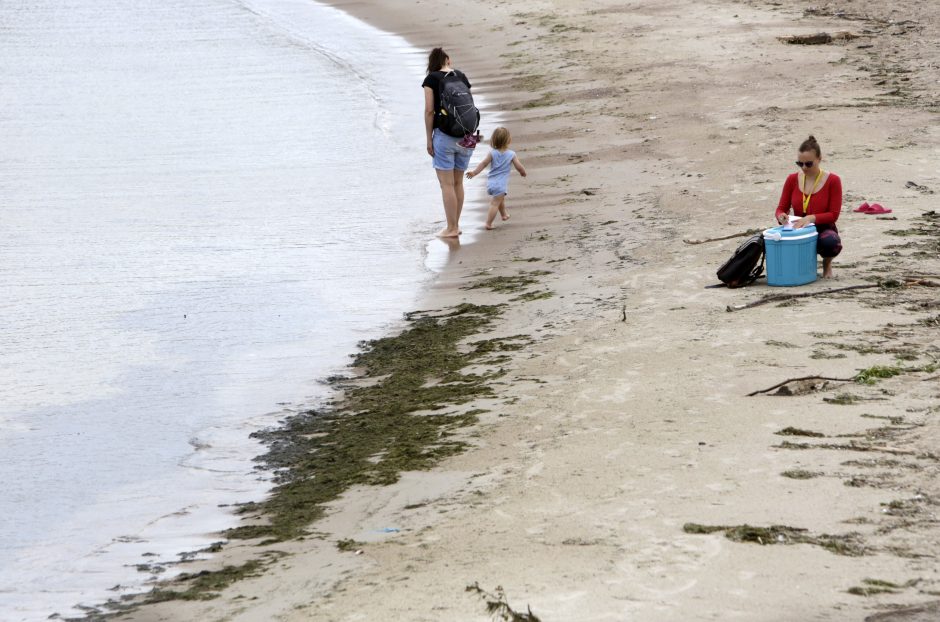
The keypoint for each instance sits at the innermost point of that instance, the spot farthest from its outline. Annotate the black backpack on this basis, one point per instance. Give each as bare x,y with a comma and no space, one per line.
746,264
459,116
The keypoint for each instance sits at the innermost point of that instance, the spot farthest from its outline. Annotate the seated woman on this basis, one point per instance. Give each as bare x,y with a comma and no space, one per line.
815,196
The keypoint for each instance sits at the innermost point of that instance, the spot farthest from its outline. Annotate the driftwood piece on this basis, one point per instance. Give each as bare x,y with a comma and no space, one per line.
819,38
908,281
724,237
789,380
784,297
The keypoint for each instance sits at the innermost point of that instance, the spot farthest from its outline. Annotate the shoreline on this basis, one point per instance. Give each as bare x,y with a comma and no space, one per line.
144,550
247,565
588,454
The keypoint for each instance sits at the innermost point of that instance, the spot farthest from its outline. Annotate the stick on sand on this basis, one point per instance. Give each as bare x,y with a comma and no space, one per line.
725,237
783,297
908,282
789,380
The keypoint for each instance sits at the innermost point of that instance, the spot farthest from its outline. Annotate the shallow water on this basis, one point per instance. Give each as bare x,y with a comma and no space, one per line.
206,204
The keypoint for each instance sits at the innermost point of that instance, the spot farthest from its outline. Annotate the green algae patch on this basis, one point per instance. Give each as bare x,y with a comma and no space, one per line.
509,284
847,544
868,590
800,474
501,344
843,399
549,98
878,372
697,528
873,374
205,585
533,295
348,544
791,431
387,420
872,587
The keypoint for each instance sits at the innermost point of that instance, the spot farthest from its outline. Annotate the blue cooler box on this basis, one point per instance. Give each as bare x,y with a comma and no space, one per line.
791,256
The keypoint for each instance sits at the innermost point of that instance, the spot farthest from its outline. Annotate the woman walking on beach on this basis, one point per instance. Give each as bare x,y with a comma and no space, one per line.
815,196
497,182
450,158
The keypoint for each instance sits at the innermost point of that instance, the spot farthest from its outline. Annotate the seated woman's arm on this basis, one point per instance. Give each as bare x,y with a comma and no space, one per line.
783,206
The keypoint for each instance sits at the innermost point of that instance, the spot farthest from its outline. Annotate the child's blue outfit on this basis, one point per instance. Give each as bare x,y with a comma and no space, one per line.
497,181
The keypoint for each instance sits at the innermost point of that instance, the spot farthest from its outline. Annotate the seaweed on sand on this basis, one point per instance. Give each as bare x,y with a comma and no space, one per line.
801,474
872,587
384,424
509,284
846,544
205,585
791,431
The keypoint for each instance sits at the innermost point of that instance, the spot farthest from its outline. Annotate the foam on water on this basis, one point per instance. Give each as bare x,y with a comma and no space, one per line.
206,204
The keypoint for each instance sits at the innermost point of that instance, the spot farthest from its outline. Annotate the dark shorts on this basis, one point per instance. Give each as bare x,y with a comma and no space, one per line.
828,244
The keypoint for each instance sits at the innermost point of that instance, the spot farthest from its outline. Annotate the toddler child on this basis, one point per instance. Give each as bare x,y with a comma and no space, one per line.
497,181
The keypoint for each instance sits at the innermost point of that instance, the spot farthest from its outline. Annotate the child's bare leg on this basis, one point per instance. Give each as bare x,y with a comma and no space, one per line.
491,214
502,208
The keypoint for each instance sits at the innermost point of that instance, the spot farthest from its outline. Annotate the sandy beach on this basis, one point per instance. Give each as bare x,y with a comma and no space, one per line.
604,457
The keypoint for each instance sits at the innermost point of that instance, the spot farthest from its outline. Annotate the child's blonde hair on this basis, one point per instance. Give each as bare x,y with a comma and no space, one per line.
500,138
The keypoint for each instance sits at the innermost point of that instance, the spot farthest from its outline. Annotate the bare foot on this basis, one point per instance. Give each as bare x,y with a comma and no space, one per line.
448,233
505,216
827,274
489,227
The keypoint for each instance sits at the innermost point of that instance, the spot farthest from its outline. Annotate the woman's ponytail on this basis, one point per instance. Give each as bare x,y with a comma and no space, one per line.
437,59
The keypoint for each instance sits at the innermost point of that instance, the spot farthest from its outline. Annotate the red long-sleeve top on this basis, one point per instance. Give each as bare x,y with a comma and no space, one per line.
825,204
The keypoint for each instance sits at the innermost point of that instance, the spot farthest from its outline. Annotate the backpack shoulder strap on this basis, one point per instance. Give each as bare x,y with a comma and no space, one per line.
759,268
447,76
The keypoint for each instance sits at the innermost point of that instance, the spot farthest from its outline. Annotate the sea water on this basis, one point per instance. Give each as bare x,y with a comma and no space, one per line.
204,205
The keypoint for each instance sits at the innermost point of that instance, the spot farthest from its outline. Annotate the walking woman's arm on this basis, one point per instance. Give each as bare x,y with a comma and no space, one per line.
429,117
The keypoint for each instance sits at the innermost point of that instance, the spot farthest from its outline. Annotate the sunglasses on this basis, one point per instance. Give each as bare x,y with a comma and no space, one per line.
806,164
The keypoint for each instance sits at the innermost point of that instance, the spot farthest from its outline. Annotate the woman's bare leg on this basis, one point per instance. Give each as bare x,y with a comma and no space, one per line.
452,204
458,191
827,267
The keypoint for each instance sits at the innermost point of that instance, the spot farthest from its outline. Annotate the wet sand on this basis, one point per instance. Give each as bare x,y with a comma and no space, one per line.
617,467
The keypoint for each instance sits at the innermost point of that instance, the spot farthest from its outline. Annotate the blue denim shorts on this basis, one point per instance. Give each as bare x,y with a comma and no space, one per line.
448,155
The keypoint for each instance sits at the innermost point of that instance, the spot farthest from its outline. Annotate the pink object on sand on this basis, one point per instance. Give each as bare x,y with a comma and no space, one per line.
874,208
